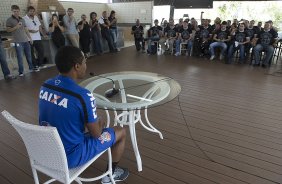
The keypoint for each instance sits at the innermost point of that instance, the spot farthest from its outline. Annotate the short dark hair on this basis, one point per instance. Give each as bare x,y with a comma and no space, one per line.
92,13
70,9
30,8
15,7
224,23
112,12
67,57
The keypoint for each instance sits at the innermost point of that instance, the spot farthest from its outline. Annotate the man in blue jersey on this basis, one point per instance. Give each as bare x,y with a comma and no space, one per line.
70,108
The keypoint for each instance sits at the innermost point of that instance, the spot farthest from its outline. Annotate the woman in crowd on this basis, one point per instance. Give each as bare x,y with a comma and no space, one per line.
84,35
95,33
113,27
56,29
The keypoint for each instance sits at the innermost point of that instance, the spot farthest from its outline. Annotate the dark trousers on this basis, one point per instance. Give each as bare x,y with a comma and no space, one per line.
107,35
37,44
3,62
139,42
84,43
97,41
59,41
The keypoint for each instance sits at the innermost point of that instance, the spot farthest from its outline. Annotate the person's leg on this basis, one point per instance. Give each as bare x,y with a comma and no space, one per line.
257,50
230,54
118,147
162,43
223,50
34,60
189,47
242,53
74,39
143,44
19,52
114,36
27,52
109,40
40,51
212,46
150,41
3,62
137,44
177,47
269,49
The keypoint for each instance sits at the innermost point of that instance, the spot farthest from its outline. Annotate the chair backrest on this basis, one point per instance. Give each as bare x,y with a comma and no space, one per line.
44,146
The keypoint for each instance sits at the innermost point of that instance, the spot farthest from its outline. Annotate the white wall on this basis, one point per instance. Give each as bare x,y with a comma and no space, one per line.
5,10
85,8
125,12
129,12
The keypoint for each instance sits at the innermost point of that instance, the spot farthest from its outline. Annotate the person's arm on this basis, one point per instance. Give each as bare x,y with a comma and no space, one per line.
247,41
214,38
10,29
228,39
51,28
132,30
96,128
28,35
102,23
66,22
81,25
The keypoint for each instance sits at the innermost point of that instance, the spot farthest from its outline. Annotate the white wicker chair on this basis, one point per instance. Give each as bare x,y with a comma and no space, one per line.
47,154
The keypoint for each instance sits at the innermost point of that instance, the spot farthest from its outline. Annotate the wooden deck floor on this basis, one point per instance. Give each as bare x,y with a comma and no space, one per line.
225,127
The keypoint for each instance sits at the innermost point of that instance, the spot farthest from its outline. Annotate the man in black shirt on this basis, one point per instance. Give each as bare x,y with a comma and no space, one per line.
84,35
252,32
170,35
266,41
105,26
184,37
138,32
221,37
202,39
240,38
155,33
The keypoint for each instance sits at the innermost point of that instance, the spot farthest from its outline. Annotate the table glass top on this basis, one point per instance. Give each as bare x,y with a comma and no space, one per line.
133,90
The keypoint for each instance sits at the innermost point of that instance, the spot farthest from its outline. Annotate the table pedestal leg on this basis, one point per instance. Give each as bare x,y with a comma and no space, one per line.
131,125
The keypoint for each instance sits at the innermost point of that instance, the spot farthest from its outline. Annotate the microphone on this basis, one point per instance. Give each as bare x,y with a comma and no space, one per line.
111,92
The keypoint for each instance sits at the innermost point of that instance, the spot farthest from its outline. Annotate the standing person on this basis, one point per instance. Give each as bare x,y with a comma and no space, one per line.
3,63
95,33
56,29
71,28
138,32
84,35
113,27
34,27
16,25
105,30
73,108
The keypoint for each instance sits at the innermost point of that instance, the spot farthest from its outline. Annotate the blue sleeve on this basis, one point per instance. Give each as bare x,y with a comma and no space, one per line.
91,108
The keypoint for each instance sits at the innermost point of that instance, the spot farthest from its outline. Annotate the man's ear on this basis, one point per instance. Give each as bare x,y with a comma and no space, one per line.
76,66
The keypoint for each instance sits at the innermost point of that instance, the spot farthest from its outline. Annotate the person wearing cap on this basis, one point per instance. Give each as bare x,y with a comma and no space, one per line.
266,41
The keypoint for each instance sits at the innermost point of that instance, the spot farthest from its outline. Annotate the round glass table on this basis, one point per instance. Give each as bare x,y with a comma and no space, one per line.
127,94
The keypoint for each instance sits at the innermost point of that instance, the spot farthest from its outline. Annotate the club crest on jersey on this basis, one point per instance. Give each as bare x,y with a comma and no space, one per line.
53,98
105,137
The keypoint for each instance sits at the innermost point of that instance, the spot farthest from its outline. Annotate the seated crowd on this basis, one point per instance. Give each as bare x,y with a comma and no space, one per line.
223,37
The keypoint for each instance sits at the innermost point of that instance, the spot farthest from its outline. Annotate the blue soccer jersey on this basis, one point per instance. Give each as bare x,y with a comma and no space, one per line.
68,107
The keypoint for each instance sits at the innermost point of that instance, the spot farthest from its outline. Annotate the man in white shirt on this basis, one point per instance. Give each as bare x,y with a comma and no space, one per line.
34,27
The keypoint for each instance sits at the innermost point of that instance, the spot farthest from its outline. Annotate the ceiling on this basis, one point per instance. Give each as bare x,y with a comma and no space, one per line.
184,3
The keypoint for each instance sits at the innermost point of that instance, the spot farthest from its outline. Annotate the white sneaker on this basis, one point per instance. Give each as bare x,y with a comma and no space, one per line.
177,54
221,57
120,174
212,58
21,74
